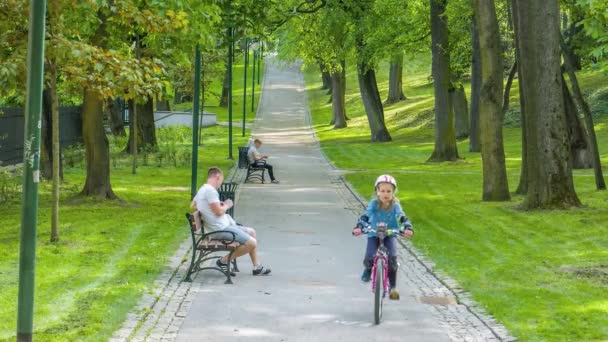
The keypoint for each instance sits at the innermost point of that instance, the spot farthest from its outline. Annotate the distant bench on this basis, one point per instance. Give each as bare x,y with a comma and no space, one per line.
253,172
203,245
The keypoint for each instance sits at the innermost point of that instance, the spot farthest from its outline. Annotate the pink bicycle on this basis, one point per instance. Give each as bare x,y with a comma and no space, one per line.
380,283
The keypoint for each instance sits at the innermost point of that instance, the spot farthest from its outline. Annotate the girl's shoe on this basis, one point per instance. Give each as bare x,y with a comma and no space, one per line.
367,275
394,295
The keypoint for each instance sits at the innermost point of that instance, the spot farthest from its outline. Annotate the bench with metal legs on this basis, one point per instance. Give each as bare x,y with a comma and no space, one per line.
256,171
204,245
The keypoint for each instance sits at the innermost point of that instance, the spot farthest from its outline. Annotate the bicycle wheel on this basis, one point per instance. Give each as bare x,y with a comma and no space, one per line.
379,289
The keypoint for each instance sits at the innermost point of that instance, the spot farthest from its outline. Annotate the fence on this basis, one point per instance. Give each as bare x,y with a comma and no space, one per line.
11,131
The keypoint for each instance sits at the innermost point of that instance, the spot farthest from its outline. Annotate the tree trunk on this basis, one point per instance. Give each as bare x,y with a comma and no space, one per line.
522,187
579,142
338,87
495,184
46,143
146,130
461,112
52,70
96,143
372,103
550,183
325,77
162,103
395,80
46,147
445,137
474,132
571,32
97,148
597,165
507,96
134,137
225,89
117,125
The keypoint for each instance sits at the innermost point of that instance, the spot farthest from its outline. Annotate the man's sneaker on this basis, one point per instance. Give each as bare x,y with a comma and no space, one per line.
367,275
261,270
394,295
275,181
224,267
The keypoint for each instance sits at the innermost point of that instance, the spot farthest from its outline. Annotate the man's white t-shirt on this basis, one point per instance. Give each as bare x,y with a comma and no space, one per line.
251,154
205,196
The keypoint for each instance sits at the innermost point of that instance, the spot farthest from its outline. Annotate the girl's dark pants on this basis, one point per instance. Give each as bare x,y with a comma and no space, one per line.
390,242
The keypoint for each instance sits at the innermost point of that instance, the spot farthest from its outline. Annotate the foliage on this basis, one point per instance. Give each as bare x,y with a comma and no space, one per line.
10,185
318,39
594,22
459,14
74,156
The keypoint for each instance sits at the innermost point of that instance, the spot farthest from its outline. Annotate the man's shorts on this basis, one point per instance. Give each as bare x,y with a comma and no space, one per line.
240,234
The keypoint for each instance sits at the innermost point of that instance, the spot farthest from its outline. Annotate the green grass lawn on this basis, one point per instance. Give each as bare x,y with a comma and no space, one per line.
212,103
544,274
110,251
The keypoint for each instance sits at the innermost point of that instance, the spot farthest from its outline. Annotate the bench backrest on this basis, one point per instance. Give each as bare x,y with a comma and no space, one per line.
196,222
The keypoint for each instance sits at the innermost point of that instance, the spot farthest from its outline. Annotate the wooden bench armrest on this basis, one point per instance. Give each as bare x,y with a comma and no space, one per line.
226,242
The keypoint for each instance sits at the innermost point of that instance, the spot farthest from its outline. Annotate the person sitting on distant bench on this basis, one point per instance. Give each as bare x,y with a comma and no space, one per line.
259,161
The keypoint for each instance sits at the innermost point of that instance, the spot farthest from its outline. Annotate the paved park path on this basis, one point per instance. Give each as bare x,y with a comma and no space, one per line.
303,225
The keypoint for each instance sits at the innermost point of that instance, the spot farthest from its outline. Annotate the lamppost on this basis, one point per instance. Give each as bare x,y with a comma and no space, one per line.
248,43
260,53
31,171
230,56
246,62
255,56
195,122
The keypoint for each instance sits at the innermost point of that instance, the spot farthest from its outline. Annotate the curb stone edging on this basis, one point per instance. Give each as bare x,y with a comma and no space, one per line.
464,298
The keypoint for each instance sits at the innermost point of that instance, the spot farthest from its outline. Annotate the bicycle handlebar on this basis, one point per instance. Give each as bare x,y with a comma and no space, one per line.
388,231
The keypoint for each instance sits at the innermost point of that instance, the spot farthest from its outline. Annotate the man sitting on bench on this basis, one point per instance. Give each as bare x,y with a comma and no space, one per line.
259,161
213,212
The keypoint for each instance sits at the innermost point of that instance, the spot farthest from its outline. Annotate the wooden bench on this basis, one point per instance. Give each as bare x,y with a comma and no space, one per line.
204,245
255,173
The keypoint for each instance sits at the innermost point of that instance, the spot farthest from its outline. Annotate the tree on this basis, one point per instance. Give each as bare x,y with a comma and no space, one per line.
368,87
366,64
321,38
474,131
495,185
592,140
460,107
445,137
395,80
549,169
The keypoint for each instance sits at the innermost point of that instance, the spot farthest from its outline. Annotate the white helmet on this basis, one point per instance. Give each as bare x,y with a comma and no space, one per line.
385,179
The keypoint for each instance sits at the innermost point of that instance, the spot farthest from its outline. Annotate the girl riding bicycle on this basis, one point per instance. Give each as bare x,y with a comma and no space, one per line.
384,210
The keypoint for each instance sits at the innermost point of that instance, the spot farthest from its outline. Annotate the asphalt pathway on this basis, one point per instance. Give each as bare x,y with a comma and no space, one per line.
303,225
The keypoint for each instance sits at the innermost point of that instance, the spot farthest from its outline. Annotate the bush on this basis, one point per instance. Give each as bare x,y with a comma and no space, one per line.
74,155
10,184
